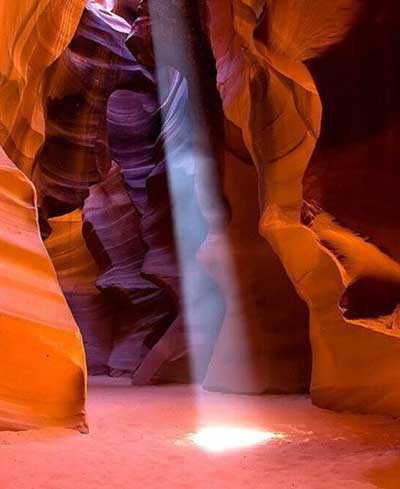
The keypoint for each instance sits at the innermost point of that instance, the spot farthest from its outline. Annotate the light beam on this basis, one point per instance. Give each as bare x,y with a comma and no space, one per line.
218,439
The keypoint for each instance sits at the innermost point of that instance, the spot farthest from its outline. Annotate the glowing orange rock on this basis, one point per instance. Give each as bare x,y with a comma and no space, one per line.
33,34
42,377
261,50
77,273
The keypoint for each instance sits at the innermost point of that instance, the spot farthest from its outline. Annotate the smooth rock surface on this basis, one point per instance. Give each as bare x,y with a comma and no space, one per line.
43,370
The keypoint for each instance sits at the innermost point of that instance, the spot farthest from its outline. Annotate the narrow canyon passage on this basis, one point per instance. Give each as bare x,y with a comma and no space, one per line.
141,437
199,244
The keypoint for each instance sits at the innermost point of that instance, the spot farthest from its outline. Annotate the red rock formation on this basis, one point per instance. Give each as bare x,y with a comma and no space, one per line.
76,90
93,74
260,58
306,92
34,34
42,355
77,273
43,372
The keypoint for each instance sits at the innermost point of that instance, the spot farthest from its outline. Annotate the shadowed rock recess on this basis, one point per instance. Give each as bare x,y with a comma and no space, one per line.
214,185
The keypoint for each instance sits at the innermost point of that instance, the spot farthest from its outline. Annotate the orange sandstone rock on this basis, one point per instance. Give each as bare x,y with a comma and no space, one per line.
77,273
43,373
261,50
33,35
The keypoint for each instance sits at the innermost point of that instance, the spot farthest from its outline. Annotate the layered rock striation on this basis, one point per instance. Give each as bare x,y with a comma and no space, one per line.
205,172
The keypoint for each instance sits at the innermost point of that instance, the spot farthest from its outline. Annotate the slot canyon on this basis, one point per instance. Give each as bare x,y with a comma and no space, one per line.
199,255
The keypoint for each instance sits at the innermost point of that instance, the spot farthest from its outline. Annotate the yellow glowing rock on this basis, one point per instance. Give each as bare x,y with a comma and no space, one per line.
43,373
75,266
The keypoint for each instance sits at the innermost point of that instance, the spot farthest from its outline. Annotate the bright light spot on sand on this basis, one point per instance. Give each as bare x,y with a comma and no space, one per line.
224,438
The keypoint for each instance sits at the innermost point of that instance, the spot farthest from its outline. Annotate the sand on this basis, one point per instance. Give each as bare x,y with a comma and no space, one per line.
138,438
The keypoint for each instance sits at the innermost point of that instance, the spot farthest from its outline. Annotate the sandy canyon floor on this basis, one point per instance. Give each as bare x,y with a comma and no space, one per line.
141,437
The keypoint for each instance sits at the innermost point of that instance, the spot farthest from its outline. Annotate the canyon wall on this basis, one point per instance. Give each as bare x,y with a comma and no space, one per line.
325,197
43,371
214,184
43,374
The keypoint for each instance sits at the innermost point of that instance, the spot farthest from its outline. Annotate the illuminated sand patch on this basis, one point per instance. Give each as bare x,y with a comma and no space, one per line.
224,438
